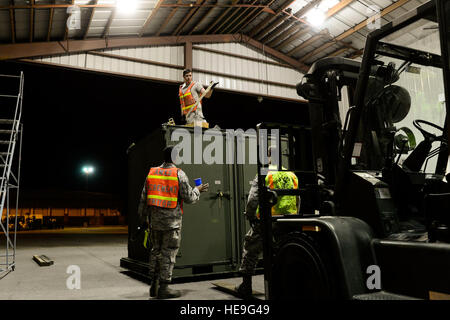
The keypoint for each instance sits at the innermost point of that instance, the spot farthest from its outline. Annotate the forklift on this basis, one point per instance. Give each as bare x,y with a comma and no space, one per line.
374,222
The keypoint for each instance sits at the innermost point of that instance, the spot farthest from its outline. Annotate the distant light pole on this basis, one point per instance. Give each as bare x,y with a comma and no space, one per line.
87,170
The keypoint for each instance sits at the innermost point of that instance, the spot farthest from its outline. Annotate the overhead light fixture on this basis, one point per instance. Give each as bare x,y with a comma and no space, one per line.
318,14
126,6
316,17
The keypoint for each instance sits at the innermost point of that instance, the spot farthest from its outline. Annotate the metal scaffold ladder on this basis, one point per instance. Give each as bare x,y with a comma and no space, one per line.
10,157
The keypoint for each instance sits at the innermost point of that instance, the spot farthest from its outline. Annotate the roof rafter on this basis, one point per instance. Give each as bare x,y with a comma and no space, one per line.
233,2
31,22
150,16
231,15
265,33
277,54
168,18
37,49
108,25
261,25
193,5
90,20
50,22
293,29
232,23
277,34
356,54
34,49
12,18
201,20
187,17
307,43
359,26
252,15
300,32
338,52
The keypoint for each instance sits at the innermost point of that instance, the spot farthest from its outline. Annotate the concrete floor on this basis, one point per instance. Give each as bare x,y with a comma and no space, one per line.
97,251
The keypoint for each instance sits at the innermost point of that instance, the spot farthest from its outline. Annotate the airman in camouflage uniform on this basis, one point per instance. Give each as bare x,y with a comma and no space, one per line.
165,225
253,244
253,241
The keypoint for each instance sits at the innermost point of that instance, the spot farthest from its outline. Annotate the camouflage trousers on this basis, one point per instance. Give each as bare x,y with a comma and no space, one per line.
165,245
253,247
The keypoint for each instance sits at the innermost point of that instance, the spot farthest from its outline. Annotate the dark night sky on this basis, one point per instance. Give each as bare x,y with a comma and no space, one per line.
76,117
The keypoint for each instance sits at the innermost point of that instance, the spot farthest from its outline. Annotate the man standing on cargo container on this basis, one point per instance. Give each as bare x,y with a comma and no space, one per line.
166,188
253,241
189,93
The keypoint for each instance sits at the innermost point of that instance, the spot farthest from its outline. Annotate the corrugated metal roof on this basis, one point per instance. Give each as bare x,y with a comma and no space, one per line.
100,19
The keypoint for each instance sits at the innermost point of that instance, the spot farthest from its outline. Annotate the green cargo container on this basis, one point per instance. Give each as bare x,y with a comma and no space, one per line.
213,229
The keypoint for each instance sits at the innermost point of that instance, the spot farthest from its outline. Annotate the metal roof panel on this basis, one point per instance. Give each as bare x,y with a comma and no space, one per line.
5,26
335,27
350,16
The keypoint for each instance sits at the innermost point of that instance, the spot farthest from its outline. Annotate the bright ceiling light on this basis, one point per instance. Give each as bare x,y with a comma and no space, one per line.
126,6
316,17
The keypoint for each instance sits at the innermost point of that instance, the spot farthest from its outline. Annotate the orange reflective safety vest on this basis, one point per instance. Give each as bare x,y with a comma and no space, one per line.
187,101
162,187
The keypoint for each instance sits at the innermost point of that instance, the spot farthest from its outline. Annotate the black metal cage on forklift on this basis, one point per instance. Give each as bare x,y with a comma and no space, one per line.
369,227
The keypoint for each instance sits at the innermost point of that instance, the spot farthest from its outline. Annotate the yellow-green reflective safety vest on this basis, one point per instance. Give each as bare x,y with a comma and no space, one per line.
282,180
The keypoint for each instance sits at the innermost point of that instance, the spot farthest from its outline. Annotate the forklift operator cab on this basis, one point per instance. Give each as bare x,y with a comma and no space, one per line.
379,134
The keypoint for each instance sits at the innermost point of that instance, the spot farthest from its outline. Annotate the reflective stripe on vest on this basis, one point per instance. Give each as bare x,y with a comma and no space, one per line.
187,101
285,204
162,187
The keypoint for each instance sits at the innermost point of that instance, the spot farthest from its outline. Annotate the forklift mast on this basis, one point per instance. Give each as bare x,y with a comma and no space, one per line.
355,205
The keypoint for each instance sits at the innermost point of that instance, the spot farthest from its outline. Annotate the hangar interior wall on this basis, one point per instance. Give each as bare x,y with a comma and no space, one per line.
245,70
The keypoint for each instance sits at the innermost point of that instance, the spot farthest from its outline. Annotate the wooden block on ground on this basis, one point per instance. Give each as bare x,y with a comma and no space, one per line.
230,288
43,260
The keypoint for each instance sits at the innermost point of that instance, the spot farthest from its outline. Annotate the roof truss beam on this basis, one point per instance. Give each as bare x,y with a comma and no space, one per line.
297,16
263,23
358,27
12,18
150,16
273,25
231,26
90,20
168,18
252,15
108,25
233,2
31,22
201,20
307,43
231,15
37,49
293,29
190,14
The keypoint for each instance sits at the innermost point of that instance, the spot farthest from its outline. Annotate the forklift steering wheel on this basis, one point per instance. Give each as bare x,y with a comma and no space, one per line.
428,135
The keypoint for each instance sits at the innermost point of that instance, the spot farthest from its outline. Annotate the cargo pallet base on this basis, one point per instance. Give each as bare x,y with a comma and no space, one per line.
183,274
